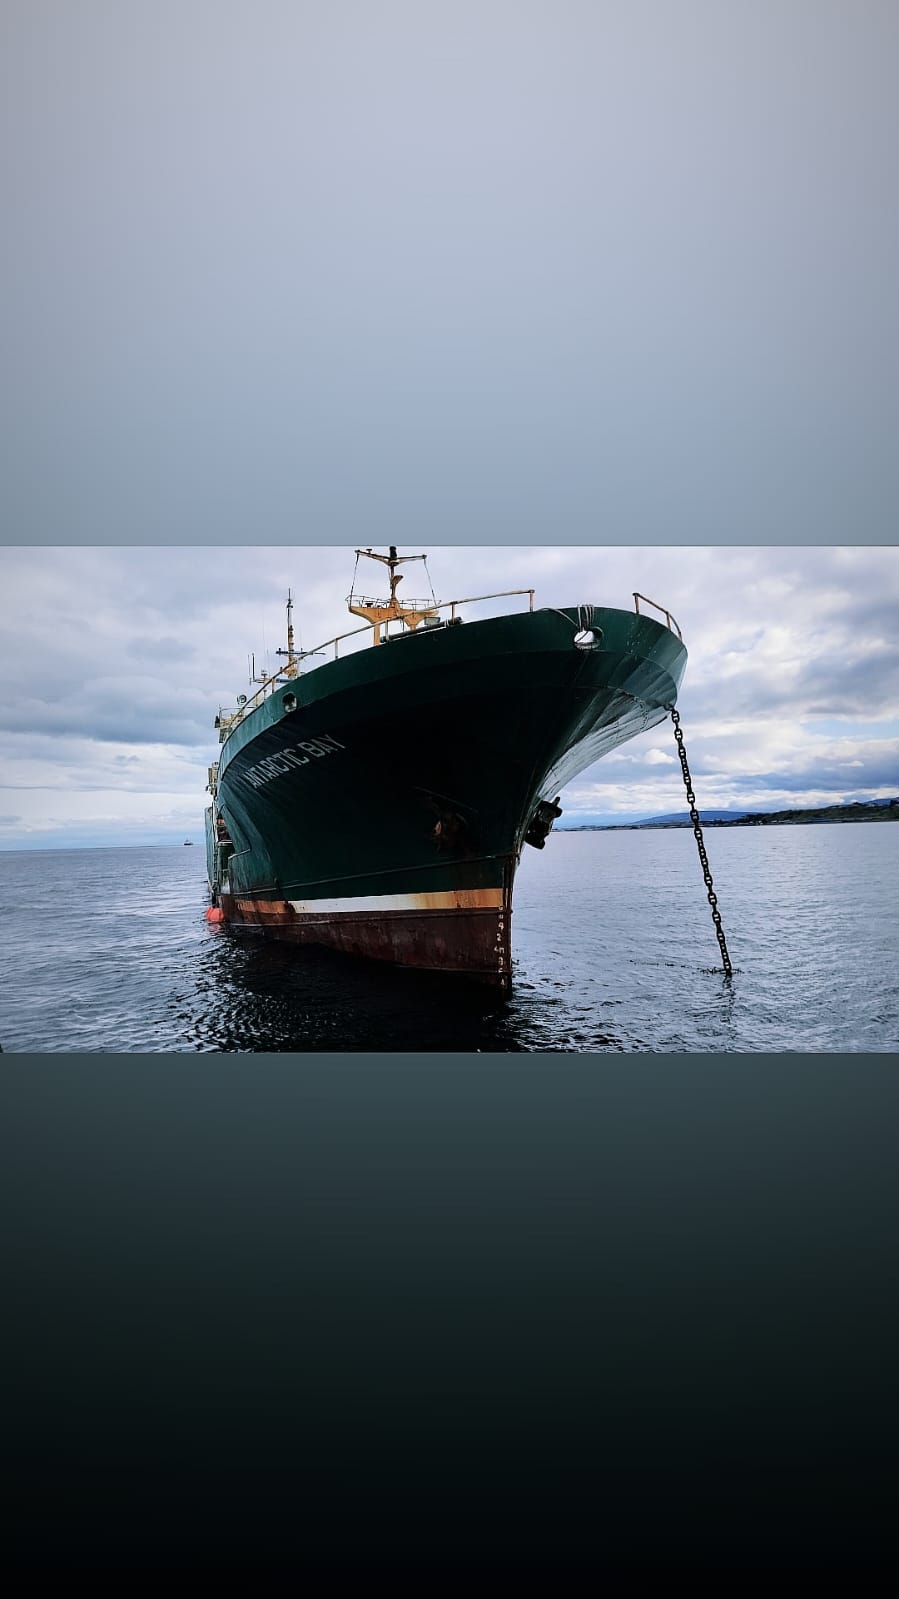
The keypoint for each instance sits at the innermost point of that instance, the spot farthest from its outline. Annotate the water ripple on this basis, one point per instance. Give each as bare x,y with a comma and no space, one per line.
614,952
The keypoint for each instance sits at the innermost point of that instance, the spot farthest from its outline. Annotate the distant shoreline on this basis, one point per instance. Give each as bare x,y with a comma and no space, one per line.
858,811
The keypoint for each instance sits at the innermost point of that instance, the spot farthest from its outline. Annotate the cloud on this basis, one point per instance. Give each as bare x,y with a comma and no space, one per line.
116,711
167,650
353,312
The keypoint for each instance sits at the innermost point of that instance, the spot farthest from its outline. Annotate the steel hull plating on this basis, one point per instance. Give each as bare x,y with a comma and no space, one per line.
451,936
385,813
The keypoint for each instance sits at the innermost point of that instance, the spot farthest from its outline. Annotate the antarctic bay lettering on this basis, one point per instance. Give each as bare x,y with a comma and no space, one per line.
300,754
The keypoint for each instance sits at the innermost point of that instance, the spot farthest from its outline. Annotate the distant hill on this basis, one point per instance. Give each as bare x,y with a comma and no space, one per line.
682,818
857,811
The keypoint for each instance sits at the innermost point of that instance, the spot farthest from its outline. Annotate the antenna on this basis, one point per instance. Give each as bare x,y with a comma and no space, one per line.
289,652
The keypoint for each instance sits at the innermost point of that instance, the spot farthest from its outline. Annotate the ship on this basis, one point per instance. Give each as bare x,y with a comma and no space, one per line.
375,794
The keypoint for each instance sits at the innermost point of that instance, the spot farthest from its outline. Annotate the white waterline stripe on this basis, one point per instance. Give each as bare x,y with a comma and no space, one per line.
456,899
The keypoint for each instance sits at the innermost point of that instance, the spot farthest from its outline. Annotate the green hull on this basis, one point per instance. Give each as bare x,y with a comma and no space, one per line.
387,811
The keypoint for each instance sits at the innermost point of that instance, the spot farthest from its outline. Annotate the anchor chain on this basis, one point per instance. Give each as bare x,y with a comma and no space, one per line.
697,834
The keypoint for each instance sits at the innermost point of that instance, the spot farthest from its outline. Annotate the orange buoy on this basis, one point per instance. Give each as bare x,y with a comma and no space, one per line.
215,914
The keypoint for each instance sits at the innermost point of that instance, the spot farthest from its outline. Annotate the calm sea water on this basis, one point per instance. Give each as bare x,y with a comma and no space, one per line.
108,950
359,1312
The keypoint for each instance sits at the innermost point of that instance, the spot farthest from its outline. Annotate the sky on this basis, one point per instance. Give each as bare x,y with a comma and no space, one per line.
116,662
611,285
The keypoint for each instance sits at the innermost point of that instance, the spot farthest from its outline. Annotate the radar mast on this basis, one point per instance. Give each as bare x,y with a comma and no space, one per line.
382,611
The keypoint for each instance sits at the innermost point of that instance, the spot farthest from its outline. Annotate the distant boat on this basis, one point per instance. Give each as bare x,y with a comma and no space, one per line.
187,843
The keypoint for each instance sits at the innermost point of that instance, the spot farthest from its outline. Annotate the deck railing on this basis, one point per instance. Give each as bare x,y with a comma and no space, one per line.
672,624
226,720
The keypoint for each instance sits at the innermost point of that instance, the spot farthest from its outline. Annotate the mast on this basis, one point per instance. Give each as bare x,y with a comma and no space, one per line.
291,668
379,612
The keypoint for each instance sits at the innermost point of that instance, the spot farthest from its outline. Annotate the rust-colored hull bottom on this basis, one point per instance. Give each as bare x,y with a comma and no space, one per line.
468,941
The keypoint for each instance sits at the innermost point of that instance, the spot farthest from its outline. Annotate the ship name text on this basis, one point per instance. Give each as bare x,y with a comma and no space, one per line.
308,749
